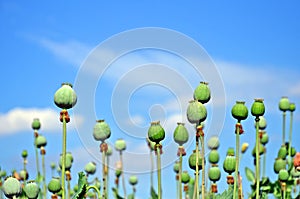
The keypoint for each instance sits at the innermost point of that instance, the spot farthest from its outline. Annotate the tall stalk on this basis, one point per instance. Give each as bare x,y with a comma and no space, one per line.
257,157
283,127
152,168
290,133
64,151
203,167
159,189
123,177
237,157
37,156
196,185
104,193
179,176
44,173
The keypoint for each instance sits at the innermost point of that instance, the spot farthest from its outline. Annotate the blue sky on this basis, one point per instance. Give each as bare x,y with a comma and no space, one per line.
254,47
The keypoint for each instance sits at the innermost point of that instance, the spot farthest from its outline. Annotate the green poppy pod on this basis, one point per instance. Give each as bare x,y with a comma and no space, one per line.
213,156
68,164
36,124
70,156
23,175
192,161
283,175
202,93
214,174
196,112
65,97
91,194
109,150
54,186
11,187
230,152
258,107
156,133
239,111
101,131
284,104
279,164
293,151
133,180
176,167
53,165
90,168
229,164
120,145
261,150
292,107
24,154
262,123
181,135
40,141
282,153
97,183
264,138
213,142
118,172
185,177
31,190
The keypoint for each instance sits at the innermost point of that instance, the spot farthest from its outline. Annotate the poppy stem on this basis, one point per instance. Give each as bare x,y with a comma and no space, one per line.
237,153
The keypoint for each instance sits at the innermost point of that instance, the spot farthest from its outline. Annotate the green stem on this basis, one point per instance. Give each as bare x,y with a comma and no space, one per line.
69,189
107,174
158,172
237,157
123,177
290,134
257,157
95,188
179,177
178,184
104,194
152,168
264,163
196,185
283,128
44,176
64,151
283,192
203,167
37,159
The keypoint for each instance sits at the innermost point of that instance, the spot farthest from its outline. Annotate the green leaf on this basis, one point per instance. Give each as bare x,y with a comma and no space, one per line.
116,194
153,193
82,186
250,175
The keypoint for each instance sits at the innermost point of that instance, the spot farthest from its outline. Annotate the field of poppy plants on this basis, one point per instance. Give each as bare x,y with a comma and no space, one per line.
204,163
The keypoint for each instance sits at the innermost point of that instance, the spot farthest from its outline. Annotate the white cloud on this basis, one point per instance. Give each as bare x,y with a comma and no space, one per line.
19,119
72,52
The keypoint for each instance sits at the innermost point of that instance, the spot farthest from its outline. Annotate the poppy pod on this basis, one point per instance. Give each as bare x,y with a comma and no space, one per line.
213,143
181,134
229,164
40,141
120,145
279,164
31,190
176,167
258,107
264,138
239,111
192,161
284,104
90,168
282,153
156,133
133,180
292,107
262,123
185,177
214,174
54,185
202,92
196,112
11,187
65,97
213,156
283,175
101,131
36,124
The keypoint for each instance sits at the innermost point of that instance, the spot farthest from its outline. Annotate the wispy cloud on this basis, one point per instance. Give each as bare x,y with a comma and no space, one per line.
19,120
